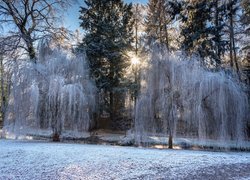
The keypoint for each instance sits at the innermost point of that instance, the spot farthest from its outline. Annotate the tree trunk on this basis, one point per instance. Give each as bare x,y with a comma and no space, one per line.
160,22
217,35
166,34
233,56
30,48
171,124
111,104
56,137
170,141
136,30
32,54
170,137
231,52
2,90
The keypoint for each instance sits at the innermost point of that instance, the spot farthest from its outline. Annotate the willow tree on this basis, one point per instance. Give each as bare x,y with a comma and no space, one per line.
160,15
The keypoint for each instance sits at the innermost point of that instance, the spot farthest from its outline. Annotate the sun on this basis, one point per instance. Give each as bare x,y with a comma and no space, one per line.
135,60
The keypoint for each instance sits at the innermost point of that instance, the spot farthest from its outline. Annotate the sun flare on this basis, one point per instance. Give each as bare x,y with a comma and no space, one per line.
135,60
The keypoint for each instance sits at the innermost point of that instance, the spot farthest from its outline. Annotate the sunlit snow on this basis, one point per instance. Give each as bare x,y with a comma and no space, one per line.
44,160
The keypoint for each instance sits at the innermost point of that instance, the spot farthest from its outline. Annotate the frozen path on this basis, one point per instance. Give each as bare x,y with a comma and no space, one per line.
43,160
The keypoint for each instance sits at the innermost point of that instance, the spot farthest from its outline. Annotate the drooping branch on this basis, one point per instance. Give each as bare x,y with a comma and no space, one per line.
210,94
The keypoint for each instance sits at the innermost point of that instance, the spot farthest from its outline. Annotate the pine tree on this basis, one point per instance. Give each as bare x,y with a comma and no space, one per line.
108,26
195,28
232,6
202,24
138,16
245,22
218,25
157,21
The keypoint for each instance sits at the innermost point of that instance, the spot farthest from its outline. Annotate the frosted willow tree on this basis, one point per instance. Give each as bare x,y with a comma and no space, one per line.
160,15
29,21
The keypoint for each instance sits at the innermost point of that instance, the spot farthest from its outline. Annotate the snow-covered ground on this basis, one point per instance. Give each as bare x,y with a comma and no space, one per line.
46,160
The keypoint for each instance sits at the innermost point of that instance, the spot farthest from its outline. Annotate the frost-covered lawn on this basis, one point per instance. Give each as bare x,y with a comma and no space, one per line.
44,160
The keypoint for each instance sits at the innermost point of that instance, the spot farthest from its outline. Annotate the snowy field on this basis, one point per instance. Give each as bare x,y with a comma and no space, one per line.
36,160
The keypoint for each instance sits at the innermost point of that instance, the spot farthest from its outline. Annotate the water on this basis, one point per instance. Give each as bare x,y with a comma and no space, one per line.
180,98
53,96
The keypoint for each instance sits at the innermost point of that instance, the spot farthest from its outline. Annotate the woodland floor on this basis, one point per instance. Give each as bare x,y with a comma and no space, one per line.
46,160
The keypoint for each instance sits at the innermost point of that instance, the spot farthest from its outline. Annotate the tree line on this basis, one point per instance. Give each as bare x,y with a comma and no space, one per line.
216,31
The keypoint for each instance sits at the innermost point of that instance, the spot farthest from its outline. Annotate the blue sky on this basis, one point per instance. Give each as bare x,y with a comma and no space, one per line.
71,17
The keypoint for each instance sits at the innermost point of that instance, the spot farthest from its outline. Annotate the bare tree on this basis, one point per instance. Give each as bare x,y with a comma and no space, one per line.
31,20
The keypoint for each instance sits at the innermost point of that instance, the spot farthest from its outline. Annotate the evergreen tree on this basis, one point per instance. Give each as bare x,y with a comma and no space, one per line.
232,7
161,26
194,30
157,21
138,16
219,43
108,25
202,30
245,22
